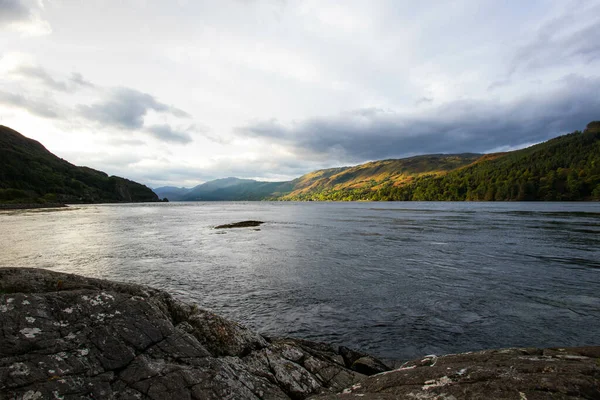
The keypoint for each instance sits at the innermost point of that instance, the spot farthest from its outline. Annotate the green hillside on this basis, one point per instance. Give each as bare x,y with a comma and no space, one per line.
365,179
563,168
326,184
31,174
235,189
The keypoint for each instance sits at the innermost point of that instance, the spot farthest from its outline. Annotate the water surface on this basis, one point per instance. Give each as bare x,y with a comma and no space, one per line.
399,280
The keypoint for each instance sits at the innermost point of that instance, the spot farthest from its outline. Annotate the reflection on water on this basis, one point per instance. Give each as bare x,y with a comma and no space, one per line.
397,279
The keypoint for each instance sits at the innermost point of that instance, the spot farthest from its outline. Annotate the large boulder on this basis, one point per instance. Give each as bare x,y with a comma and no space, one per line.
67,336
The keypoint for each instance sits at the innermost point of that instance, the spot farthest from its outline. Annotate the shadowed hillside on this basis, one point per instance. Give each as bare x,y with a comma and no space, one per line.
229,189
171,192
31,174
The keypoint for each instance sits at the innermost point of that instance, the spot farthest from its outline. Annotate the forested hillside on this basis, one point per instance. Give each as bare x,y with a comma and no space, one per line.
564,168
29,173
235,189
362,180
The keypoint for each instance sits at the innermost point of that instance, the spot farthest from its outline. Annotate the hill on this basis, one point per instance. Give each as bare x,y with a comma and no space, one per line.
29,173
561,169
229,189
337,183
341,183
171,192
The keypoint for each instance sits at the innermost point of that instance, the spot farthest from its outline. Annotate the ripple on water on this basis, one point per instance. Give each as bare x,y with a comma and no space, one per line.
397,279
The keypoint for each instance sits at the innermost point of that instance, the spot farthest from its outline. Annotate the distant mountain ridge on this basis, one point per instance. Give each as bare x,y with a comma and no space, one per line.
226,189
564,168
29,173
370,174
172,193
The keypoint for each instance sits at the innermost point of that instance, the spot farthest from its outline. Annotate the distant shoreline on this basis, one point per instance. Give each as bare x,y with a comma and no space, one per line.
27,206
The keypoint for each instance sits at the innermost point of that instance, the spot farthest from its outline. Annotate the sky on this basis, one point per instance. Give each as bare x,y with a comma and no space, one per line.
181,92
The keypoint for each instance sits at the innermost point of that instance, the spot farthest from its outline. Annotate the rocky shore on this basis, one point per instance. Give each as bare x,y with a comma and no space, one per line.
70,337
22,206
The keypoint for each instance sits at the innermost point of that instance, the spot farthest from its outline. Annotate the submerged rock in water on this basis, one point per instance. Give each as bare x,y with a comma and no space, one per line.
242,224
66,336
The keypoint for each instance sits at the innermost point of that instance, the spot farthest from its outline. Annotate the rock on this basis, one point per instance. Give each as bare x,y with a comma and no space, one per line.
242,224
350,355
361,362
369,366
520,374
68,336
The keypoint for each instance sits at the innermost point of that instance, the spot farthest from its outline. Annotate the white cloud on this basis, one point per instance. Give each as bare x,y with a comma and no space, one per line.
115,78
24,17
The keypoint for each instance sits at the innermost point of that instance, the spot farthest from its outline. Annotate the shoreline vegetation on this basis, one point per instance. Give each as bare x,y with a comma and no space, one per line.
28,206
66,334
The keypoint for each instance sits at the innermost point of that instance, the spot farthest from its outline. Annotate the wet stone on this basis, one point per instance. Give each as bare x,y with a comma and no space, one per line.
241,224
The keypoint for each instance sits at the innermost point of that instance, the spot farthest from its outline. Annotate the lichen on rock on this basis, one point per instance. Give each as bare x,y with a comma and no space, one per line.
90,338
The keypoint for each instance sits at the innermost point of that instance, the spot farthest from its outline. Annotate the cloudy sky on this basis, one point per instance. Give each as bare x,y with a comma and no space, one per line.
180,92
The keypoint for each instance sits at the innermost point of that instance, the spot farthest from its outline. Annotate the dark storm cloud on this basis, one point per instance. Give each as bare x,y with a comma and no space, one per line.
456,127
41,75
123,108
562,41
424,100
77,80
13,11
166,133
35,73
126,108
248,169
37,107
498,84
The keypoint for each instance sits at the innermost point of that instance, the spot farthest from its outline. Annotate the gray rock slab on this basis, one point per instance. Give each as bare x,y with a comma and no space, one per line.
70,337
519,374
65,336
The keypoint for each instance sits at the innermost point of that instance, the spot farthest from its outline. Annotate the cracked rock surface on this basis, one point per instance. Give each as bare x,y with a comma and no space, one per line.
69,337
519,374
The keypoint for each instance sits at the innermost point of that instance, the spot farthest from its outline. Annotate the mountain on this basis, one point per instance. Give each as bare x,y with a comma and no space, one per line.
29,173
339,180
171,192
339,183
229,189
563,168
